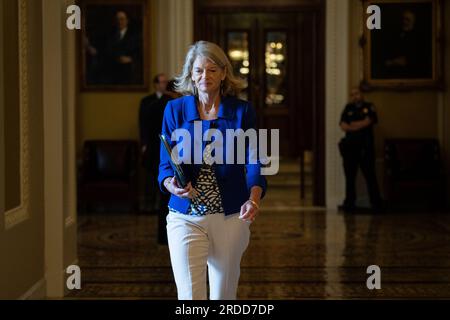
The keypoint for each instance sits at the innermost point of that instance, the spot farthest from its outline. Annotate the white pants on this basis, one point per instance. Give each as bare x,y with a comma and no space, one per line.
215,240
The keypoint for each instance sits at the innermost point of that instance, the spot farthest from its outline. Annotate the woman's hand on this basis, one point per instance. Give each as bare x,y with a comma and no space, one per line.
172,186
249,211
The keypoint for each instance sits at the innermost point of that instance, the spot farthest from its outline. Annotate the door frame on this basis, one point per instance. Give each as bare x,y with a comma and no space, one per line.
204,7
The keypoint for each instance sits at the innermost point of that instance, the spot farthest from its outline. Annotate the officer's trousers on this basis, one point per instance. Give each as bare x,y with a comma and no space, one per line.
212,240
363,158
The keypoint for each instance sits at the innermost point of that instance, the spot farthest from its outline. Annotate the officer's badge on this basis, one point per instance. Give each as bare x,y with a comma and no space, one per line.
366,110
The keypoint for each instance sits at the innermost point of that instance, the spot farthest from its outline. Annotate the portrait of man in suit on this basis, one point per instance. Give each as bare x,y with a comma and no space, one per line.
112,44
122,52
405,51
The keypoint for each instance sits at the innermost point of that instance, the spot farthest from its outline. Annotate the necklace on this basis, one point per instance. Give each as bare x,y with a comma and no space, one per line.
208,111
203,107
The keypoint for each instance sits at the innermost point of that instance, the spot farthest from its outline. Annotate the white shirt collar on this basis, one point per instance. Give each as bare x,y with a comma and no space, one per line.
123,32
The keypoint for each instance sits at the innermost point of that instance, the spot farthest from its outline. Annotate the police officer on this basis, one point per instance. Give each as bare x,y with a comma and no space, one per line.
357,149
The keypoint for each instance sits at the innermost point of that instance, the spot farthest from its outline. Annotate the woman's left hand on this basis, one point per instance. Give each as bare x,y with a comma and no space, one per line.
249,211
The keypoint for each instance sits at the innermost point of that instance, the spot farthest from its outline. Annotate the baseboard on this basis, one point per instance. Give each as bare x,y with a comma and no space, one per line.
36,292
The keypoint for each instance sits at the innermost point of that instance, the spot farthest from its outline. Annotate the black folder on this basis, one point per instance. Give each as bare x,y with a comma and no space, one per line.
179,174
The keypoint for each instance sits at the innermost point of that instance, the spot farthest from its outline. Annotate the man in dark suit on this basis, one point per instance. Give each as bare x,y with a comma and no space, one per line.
150,120
123,53
408,53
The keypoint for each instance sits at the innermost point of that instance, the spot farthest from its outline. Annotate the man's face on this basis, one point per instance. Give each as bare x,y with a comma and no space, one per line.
408,21
356,96
161,85
122,20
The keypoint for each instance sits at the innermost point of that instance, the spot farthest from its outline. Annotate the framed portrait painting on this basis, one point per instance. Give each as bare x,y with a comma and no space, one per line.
407,51
113,45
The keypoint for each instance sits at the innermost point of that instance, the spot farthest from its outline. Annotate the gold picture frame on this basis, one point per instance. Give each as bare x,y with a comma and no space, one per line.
111,59
407,52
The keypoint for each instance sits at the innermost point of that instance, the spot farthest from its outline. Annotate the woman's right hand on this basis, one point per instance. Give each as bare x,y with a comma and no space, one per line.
186,193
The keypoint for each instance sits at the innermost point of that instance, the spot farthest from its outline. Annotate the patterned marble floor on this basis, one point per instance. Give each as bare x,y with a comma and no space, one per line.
292,255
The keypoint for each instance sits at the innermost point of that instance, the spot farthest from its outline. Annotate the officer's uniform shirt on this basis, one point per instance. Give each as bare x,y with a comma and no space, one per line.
357,112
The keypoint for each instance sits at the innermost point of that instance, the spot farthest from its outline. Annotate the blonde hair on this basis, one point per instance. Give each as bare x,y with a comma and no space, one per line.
231,85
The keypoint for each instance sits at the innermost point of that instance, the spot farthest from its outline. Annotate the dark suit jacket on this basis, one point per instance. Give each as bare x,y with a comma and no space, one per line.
151,114
129,46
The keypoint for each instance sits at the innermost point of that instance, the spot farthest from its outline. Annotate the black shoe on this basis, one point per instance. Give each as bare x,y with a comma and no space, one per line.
347,208
379,209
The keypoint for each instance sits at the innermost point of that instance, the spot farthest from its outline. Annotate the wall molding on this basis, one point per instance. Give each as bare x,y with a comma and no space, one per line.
36,292
19,214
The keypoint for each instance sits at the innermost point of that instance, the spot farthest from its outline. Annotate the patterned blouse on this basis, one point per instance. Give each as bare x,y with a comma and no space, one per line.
208,201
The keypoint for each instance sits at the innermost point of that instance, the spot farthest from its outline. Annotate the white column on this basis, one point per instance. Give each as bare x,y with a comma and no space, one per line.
53,146
175,23
337,86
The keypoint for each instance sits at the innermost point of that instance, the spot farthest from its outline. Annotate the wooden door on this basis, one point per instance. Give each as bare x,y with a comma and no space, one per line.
279,51
272,53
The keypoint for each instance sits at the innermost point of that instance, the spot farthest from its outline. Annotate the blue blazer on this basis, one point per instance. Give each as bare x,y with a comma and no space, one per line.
234,180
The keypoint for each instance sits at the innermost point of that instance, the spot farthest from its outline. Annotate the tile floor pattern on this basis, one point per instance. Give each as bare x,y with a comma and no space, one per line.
292,255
